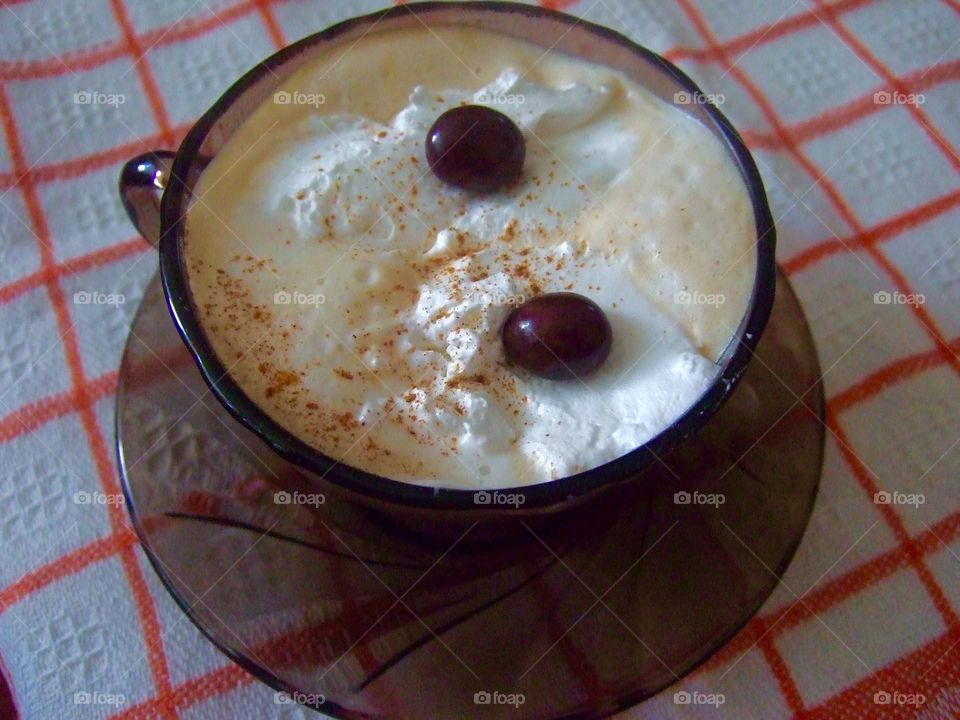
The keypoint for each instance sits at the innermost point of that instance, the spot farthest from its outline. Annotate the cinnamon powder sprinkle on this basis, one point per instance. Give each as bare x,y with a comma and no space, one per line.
456,382
282,379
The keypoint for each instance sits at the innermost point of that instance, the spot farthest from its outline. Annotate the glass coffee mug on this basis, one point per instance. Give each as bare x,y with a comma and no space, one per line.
157,189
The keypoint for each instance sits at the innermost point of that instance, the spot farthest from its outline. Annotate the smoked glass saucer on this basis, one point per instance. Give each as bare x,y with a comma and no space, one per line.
337,609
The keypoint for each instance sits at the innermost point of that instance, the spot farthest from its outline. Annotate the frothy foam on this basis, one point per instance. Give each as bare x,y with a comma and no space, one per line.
359,300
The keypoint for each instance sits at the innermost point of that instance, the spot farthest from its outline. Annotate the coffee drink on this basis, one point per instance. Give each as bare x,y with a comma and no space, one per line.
381,292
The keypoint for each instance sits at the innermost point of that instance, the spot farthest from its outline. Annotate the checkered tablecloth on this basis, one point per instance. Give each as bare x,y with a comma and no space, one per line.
853,111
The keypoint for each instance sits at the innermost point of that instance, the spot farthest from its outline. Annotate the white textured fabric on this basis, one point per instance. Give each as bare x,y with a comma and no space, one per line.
853,112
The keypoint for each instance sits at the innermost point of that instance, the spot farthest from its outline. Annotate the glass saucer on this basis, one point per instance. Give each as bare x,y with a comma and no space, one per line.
336,609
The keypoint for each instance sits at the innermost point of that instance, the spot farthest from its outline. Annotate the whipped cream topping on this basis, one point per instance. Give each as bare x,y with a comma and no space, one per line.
359,300
347,177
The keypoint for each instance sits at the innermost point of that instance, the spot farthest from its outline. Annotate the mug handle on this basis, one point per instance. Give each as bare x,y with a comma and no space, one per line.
142,182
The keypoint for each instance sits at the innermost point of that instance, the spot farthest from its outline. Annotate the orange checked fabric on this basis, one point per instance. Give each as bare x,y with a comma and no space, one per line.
852,108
